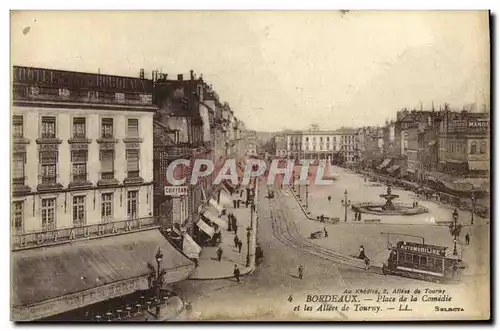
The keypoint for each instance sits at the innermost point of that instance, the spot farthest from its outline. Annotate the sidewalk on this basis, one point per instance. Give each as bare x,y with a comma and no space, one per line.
210,268
169,311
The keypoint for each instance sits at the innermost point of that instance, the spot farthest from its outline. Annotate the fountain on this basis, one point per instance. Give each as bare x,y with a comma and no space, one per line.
389,197
389,207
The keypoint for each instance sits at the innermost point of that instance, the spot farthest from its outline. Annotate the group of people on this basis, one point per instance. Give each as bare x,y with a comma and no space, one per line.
357,216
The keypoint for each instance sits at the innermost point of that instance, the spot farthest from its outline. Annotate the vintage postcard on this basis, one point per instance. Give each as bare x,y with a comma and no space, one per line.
250,166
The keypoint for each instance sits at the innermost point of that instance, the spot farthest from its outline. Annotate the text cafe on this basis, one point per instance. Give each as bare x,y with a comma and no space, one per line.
176,191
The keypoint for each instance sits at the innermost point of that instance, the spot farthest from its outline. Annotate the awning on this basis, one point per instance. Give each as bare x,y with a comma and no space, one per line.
225,199
190,247
206,228
52,280
229,186
479,165
384,164
214,219
214,204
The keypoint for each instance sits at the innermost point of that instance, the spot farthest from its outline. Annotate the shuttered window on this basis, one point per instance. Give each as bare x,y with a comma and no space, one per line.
79,211
18,217
132,163
18,171
17,126
79,127
48,127
107,128
79,161
107,164
133,127
48,164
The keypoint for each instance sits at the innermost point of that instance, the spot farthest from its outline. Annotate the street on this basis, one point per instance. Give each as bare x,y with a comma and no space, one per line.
282,233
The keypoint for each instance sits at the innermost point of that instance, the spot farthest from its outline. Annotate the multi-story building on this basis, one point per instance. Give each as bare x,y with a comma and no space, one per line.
280,146
464,140
251,143
82,169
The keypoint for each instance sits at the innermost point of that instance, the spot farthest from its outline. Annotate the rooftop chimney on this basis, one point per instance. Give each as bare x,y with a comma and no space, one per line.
191,74
180,77
141,74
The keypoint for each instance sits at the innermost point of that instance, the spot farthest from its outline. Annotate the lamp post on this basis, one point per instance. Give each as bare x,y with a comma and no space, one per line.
248,244
345,203
298,187
473,198
159,279
307,196
455,230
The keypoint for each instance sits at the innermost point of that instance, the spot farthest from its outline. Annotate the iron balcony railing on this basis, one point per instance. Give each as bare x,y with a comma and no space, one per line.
59,236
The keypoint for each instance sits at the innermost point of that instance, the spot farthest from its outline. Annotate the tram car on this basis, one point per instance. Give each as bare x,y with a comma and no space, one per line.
424,262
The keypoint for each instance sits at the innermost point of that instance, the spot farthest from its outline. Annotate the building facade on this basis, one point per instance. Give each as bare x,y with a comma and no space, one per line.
82,169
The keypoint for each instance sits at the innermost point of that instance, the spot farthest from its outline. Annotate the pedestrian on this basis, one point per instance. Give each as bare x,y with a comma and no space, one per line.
329,198
234,203
356,216
236,241
362,252
235,227
359,217
467,239
229,222
236,273
240,245
301,271
367,263
219,254
326,232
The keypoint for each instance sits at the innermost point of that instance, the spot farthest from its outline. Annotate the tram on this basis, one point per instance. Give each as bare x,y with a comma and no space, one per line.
424,262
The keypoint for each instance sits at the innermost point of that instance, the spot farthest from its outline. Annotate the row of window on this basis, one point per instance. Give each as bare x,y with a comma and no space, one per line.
48,211
48,127
48,161
420,260
34,91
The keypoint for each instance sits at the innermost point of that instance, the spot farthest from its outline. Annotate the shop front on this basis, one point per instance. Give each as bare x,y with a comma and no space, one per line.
56,279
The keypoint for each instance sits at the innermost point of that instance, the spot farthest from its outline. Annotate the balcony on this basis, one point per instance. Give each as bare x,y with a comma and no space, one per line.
48,183
62,236
49,140
19,186
133,178
22,93
108,179
80,180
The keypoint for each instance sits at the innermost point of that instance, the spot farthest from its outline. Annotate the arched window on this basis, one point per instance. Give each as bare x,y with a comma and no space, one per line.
473,148
482,148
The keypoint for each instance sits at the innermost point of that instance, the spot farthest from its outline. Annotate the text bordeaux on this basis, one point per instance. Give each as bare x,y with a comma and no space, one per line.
77,80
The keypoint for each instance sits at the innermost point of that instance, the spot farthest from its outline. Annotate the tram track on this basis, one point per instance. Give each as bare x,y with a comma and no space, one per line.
286,232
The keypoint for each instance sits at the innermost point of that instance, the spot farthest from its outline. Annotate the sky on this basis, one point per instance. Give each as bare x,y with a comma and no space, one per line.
279,70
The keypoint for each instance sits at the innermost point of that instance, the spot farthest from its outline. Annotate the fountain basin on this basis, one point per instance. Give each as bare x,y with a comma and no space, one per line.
380,208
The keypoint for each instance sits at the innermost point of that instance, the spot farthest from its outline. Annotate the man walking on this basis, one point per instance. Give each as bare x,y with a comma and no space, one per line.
467,239
326,232
301,271
329,198
236,240
236,273
219,254
240,245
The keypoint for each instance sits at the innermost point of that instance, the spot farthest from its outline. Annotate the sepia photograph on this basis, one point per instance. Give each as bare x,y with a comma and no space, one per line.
280,166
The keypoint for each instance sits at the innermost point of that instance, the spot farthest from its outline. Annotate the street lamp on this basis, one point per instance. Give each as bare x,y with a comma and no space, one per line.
307,196
473,198
345,203
158,279
455,230
248,244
